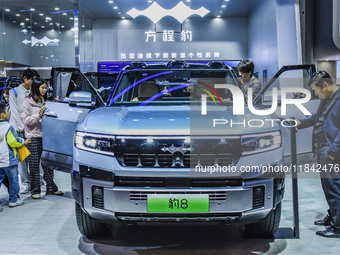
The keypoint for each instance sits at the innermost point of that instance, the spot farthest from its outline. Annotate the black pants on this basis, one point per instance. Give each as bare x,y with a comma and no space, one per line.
330,181
35,147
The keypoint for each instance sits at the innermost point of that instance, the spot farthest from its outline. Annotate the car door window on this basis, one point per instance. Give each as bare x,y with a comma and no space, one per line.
68,82
62,84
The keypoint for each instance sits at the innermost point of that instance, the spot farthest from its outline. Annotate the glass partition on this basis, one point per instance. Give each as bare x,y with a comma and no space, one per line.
36,33
87,59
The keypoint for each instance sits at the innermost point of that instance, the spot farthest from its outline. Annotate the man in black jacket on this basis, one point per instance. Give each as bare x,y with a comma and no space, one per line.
248,80
326,145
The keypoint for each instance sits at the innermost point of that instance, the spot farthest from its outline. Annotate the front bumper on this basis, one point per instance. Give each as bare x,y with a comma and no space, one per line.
226,204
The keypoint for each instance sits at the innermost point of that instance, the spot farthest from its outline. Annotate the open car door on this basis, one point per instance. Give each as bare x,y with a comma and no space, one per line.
73,97
303,138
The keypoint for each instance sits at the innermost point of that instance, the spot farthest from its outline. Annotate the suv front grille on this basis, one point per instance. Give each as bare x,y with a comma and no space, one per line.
213,195
124,181
176,153
168,160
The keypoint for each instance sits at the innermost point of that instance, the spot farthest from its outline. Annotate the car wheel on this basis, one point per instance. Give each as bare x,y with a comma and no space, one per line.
268,226
88,226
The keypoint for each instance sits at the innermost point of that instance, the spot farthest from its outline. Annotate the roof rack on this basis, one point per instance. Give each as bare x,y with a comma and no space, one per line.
135,65
216,65
177,64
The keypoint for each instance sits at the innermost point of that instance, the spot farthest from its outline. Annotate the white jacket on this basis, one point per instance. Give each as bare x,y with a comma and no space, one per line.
16,98
9,141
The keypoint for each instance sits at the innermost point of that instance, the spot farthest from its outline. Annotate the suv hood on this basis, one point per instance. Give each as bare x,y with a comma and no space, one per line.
169,120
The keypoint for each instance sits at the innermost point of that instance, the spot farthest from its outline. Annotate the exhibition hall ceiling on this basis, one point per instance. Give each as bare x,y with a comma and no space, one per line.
119,8
36,14
58,14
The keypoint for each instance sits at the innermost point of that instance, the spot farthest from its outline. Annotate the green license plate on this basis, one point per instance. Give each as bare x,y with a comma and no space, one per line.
177,203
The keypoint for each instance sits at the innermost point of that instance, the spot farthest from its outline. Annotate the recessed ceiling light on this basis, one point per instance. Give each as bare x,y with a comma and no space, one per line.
64,13
27,19
22,24
119,13
149,1
115,7
62,26
226,0
51,24
71,18
32,9
35,23
83,26
7,10
110,2
218,16
18,15
57,8
41,14
123,18
224,6
42,26
188,1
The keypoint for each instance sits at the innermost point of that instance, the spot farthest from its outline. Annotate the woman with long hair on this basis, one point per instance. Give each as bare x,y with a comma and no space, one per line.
31,113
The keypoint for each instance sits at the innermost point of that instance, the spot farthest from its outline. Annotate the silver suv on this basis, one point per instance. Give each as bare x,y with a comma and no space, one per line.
150,154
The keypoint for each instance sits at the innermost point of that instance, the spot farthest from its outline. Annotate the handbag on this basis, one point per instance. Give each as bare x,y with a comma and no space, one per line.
23,153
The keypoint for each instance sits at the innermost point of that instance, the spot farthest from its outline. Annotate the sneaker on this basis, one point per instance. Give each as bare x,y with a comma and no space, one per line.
25,189
36,196
17,203
57,193
1,209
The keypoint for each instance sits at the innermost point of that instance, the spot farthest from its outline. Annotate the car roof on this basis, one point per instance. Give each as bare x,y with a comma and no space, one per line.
177,64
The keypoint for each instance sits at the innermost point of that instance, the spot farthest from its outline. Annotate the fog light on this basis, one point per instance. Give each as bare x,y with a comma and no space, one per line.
98,197
258,197
97,191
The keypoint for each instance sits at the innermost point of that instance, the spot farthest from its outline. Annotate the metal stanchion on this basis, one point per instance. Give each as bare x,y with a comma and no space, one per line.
295,196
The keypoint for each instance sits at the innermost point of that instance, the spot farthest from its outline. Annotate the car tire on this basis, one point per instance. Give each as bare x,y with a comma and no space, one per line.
88,226
268,226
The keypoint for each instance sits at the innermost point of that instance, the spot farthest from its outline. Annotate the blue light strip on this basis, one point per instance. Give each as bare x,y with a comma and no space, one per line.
2,88
61,11
163,92
136,83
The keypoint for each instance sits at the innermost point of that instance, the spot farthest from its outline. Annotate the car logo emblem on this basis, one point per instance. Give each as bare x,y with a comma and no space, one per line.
172,149
155,12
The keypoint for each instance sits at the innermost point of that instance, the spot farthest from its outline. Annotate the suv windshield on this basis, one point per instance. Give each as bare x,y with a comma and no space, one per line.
164,86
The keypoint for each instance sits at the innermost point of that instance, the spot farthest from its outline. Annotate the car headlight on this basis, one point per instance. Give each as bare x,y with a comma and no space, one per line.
260,142
103,144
